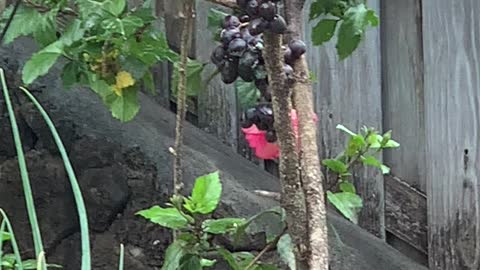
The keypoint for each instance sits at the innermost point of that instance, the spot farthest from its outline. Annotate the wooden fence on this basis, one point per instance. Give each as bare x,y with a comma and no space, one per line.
418,75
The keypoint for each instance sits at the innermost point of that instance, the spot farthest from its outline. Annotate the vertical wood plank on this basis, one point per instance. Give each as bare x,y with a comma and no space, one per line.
217,105
403,108
451,31
349,92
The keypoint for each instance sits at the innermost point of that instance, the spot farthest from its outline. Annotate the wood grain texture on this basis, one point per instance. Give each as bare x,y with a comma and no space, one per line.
349,92
403,105
406,213
217,105
451,31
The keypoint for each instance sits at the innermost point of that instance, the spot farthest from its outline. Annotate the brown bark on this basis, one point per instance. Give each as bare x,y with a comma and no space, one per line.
181,93
292,199
312,177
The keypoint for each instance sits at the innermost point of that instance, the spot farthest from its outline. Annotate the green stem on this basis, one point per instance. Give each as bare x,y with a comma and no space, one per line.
77,193
32,215
13,241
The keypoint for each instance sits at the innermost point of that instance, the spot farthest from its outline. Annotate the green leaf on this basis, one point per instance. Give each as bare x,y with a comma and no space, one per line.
207,263
346,130
372,161
223,225
349,204
190,262
391,144
374,141
215,19
99,86
165,217
194,77
124,107
228,257
45,32
285,250
355,145
70,74
41,62
5,236
73,33
247,93
335,165
205,195
149,83
115,7
323,31
25,22
134,66
320,7
173,255
347,187
355,21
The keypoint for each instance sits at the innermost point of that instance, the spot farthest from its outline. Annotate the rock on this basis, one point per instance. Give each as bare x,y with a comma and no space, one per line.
140,148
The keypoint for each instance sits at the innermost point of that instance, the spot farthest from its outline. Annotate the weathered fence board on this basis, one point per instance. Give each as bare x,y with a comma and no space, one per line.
349,93
402,71
451,31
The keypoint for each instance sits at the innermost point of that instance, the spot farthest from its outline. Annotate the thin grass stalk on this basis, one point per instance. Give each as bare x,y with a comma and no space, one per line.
2,230
77,193
40,260
27,190
121,260
13,241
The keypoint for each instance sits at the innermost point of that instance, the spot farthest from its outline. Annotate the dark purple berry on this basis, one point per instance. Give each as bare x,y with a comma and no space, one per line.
218,55
246,34
228,35
288,57
267,11
246,66
288,71
244,19
237,47
271,136
231,21
229,71
298,47
246,124
251,114
257,26
278,25
252,8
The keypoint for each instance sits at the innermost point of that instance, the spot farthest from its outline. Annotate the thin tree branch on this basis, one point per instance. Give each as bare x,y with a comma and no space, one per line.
181,94
267,248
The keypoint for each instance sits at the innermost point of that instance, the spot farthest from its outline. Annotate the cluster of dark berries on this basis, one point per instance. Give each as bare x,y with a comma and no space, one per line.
262,117
240,54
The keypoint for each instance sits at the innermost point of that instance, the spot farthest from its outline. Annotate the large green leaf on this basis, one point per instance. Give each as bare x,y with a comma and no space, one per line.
73,33
223,225
323,31
126,106
285,250
247,93
349,204
166,217
41,62
25,22
355,21
205,195
174,255
190,262
335,165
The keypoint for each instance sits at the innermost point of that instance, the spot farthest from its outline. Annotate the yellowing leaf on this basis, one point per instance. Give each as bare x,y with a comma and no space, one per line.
124,79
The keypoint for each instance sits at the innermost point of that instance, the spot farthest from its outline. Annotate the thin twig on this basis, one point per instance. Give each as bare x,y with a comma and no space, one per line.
10,19
266,249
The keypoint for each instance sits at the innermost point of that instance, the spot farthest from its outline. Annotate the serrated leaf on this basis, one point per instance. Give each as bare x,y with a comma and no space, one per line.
205,195
346,130
335,165
222,226
165,217
228,257
247,93
194,77
349,204
124,107
173,255
45,29
115,7
73,33
347,187
24,23
285,250
323,31
41,62
355,21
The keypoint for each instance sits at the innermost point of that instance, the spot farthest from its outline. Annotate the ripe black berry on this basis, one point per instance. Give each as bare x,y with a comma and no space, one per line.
218,55
244,19
257,26
278,25
298,47
267,11
228,35
252,8
231,21
237,47
271,136
229,71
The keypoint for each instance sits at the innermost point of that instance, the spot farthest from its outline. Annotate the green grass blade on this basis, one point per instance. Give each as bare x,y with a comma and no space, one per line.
121,261
13,241
82,212
2,230
32,215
